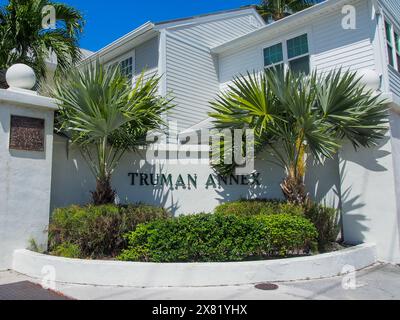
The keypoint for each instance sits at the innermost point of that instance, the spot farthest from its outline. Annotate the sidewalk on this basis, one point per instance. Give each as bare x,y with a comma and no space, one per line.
378,282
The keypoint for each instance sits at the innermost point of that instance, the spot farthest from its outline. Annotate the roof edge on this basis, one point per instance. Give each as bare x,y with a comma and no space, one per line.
318,8
205,15
121,41
194,19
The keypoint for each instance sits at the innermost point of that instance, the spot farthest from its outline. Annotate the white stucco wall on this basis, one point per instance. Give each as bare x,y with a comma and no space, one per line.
72,182
24,178
370,188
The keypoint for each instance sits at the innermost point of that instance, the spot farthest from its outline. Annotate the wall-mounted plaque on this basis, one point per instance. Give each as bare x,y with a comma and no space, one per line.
27,134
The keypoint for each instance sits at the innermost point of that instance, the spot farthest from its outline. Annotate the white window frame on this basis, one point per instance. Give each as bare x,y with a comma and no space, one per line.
283,55
393,30
284,40
121,58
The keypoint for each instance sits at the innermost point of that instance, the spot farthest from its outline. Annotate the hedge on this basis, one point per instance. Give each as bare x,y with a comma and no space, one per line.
97,231
210,238
256,207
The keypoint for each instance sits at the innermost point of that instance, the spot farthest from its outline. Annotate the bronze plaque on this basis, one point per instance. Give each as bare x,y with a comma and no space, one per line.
27,134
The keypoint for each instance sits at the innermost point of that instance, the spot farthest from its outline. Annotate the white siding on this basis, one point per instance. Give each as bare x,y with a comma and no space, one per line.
239,63
394,81
146,58
350,49
191,69
192,80
330,46
393,6
215,33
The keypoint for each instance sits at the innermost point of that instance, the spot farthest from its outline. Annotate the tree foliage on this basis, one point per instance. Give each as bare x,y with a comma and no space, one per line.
24,40
102,114
296,116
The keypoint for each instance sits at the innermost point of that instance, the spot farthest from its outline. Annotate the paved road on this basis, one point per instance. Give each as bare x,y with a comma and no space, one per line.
378,282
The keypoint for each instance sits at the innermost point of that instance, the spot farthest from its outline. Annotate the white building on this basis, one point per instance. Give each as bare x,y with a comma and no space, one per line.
196,58
199,56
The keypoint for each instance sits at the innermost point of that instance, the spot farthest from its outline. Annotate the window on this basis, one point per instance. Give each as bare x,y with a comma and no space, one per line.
297,57
298,54
127,68
273,57
389,41
397,49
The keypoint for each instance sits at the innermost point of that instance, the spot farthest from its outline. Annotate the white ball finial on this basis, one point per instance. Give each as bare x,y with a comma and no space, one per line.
21,76
370,79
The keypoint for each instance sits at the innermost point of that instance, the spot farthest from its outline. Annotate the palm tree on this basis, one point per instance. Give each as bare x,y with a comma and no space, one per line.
23,39
279,9
105,117
296,116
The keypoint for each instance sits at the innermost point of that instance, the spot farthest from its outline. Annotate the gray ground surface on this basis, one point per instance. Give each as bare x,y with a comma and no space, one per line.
378,282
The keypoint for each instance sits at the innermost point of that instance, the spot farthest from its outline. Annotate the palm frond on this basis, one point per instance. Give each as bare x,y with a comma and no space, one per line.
27,42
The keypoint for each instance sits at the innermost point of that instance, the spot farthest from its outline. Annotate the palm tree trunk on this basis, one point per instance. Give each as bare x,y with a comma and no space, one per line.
293,185
294,190
104,193
3,81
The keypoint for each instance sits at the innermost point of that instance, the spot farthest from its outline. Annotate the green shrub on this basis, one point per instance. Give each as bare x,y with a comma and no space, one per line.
35,247
67,250
98,230
325,219
207,238
256,207
289,234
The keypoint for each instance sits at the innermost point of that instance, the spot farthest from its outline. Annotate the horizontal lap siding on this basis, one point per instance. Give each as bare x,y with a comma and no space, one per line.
239,63
146,59
393,6
394,81
335,47
192,72
192,80
331,46
212,34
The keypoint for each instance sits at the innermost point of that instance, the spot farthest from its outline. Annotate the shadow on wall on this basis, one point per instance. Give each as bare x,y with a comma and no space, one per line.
72,183
157,195
323,181
369,158
187,199
357,201
270,178
334,185
351,206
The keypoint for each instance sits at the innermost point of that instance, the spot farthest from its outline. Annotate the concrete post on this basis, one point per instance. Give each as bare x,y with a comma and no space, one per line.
26,146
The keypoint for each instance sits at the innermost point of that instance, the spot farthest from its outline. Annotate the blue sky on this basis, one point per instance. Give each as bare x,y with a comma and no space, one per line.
109,20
